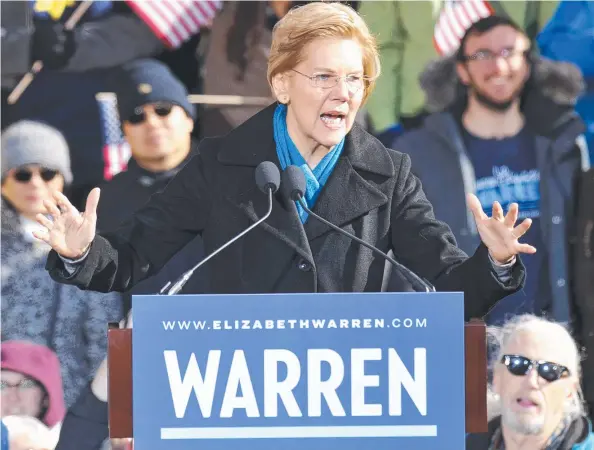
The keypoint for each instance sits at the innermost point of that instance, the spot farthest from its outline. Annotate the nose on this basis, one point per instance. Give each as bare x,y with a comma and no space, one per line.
501,65
531,378
10,396
36,180
341,90
151,118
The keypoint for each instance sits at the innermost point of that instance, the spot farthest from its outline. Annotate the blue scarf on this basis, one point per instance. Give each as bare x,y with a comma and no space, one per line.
289,155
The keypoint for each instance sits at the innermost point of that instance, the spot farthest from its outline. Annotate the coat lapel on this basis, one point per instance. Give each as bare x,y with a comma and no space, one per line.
284,222
348,193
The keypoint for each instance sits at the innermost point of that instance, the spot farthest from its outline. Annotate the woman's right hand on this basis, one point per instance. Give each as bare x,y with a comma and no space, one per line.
69,232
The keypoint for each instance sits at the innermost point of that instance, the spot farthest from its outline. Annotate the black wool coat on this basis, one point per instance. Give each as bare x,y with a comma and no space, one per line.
371,193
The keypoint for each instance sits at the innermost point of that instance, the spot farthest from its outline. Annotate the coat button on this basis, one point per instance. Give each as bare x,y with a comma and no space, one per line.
304,265
561,282
556,220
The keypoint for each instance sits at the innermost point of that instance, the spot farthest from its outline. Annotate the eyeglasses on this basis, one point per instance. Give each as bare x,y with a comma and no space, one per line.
489,56
161,110
520,366
24,175
328,81
24,384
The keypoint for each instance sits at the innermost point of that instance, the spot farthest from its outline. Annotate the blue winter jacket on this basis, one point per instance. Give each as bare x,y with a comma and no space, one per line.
569,36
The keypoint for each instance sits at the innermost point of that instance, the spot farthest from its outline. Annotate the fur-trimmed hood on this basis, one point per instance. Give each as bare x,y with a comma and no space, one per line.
558,82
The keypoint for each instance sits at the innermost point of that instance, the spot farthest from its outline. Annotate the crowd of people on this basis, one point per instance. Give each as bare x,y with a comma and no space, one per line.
506,114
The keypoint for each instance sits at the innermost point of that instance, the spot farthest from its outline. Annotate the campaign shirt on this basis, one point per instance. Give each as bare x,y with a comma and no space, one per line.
506,171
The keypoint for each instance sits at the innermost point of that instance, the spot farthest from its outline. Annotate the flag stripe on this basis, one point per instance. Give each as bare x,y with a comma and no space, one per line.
116,150
175,21
455,18
182,12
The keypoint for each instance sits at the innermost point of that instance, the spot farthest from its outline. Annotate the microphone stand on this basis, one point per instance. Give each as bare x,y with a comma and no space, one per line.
409,273
179,284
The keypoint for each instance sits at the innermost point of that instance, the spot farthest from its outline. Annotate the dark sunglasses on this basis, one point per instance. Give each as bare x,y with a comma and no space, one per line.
161,110
520,366
25,175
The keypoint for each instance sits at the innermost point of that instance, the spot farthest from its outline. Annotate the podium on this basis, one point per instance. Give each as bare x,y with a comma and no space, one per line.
391,317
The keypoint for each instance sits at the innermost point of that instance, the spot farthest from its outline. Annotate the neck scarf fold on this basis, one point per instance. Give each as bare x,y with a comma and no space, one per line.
288,154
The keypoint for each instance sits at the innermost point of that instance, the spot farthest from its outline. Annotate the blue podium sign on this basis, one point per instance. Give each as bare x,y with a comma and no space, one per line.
293,371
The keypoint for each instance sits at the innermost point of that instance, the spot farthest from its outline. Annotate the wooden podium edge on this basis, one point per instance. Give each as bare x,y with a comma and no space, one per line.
119,369
119,355
475,376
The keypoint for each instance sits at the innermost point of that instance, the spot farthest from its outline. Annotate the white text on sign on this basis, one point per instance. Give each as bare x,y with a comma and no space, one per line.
203,383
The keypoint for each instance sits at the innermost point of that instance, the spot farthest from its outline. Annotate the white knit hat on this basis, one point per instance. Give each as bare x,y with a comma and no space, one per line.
28,142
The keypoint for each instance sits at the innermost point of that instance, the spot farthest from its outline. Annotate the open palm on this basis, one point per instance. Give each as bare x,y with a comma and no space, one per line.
499,233
69,232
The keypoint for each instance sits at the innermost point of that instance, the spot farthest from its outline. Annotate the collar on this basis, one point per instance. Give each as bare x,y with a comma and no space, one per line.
148,178
565,437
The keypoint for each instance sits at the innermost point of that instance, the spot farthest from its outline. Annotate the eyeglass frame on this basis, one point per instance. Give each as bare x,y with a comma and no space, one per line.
506,54
24,384
45,173
564,372
312,78
162,109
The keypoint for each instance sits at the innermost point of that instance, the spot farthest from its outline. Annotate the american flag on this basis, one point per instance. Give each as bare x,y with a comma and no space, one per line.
116,151
175,21
455,17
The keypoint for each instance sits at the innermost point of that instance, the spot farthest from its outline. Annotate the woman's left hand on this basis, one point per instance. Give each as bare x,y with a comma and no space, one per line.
499,233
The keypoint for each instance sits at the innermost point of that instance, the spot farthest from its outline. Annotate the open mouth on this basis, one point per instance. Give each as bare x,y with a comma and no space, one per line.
526,403
333,119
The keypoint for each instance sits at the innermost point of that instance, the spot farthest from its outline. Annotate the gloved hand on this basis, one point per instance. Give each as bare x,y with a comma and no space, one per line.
52,44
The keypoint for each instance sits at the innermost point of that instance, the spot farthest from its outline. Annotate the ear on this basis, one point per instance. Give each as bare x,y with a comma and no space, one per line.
280,86
462,73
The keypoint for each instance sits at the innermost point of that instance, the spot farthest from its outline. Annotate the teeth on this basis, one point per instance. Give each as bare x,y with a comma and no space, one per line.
331,120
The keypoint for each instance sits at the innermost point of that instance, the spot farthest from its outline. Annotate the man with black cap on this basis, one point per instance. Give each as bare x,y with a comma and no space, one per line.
157,121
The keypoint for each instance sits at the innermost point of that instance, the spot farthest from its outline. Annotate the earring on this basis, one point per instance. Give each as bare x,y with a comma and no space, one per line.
284,99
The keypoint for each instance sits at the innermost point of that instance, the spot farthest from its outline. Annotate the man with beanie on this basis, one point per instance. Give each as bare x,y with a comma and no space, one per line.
71,322
157,121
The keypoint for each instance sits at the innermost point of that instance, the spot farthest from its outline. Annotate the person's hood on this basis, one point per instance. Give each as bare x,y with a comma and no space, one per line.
41,364
550,93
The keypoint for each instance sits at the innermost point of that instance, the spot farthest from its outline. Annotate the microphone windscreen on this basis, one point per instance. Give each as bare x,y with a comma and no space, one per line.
293,183
267,176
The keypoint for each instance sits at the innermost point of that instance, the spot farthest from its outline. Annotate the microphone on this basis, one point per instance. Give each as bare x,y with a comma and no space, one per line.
293,187
268,181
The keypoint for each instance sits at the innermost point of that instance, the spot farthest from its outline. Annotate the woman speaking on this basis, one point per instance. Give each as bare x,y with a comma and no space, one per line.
322,66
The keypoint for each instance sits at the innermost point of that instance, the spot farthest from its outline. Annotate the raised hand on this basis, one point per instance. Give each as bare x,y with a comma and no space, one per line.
69,232
499,232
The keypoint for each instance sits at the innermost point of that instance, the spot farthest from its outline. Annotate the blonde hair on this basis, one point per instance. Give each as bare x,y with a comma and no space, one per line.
320,20
541,328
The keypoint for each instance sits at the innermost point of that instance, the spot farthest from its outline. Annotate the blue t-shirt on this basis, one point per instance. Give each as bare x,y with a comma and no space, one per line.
506,171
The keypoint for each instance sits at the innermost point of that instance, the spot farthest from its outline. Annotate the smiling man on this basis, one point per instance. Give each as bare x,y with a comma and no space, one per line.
504,127
536,385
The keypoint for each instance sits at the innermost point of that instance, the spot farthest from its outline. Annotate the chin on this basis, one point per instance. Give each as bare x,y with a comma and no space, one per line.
330,139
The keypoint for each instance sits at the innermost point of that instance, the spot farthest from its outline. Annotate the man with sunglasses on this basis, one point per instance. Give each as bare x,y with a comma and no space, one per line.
157,121
536,401
35,163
